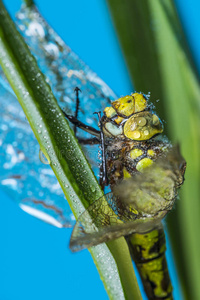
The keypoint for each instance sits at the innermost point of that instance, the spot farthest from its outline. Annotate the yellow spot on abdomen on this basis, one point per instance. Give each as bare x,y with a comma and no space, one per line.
144,163
136,153
133,210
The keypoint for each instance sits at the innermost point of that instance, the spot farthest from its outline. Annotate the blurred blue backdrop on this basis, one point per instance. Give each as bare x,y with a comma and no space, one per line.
35,262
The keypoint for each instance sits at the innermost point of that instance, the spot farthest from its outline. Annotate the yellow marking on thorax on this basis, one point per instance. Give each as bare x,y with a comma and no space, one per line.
144,163
126,173
117,174
151,152
136,153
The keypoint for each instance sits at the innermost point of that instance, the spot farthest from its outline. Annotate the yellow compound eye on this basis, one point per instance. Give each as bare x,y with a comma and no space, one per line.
142,126
125,105
129,105
140,102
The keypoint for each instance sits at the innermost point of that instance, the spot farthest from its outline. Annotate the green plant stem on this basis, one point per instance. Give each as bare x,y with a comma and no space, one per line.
59,145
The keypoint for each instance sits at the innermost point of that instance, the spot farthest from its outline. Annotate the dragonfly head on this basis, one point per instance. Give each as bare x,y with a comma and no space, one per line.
130,116
129,105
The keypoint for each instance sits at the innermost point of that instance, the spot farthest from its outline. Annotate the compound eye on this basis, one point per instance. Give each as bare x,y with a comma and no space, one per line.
124,106
140,102
128,105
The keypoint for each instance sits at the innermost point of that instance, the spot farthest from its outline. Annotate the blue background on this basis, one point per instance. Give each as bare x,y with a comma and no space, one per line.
35,262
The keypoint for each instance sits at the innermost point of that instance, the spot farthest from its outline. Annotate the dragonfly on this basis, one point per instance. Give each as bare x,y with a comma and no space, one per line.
144,172
142,168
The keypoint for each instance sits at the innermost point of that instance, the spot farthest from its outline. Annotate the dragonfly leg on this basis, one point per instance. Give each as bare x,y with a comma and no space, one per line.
101,181
103,170
92,141
74,119
76,90
81,125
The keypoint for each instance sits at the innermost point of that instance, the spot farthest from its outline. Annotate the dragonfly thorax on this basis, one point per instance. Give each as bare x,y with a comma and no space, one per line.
126,158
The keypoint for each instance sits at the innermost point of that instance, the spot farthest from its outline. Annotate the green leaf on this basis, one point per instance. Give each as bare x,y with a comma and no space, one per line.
159,62
62,151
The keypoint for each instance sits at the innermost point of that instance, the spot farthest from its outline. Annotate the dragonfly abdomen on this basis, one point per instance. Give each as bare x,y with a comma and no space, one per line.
148,253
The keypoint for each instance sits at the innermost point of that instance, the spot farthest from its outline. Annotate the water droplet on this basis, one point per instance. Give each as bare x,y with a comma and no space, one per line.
136,134
133,126
141,121
43,158
93,189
